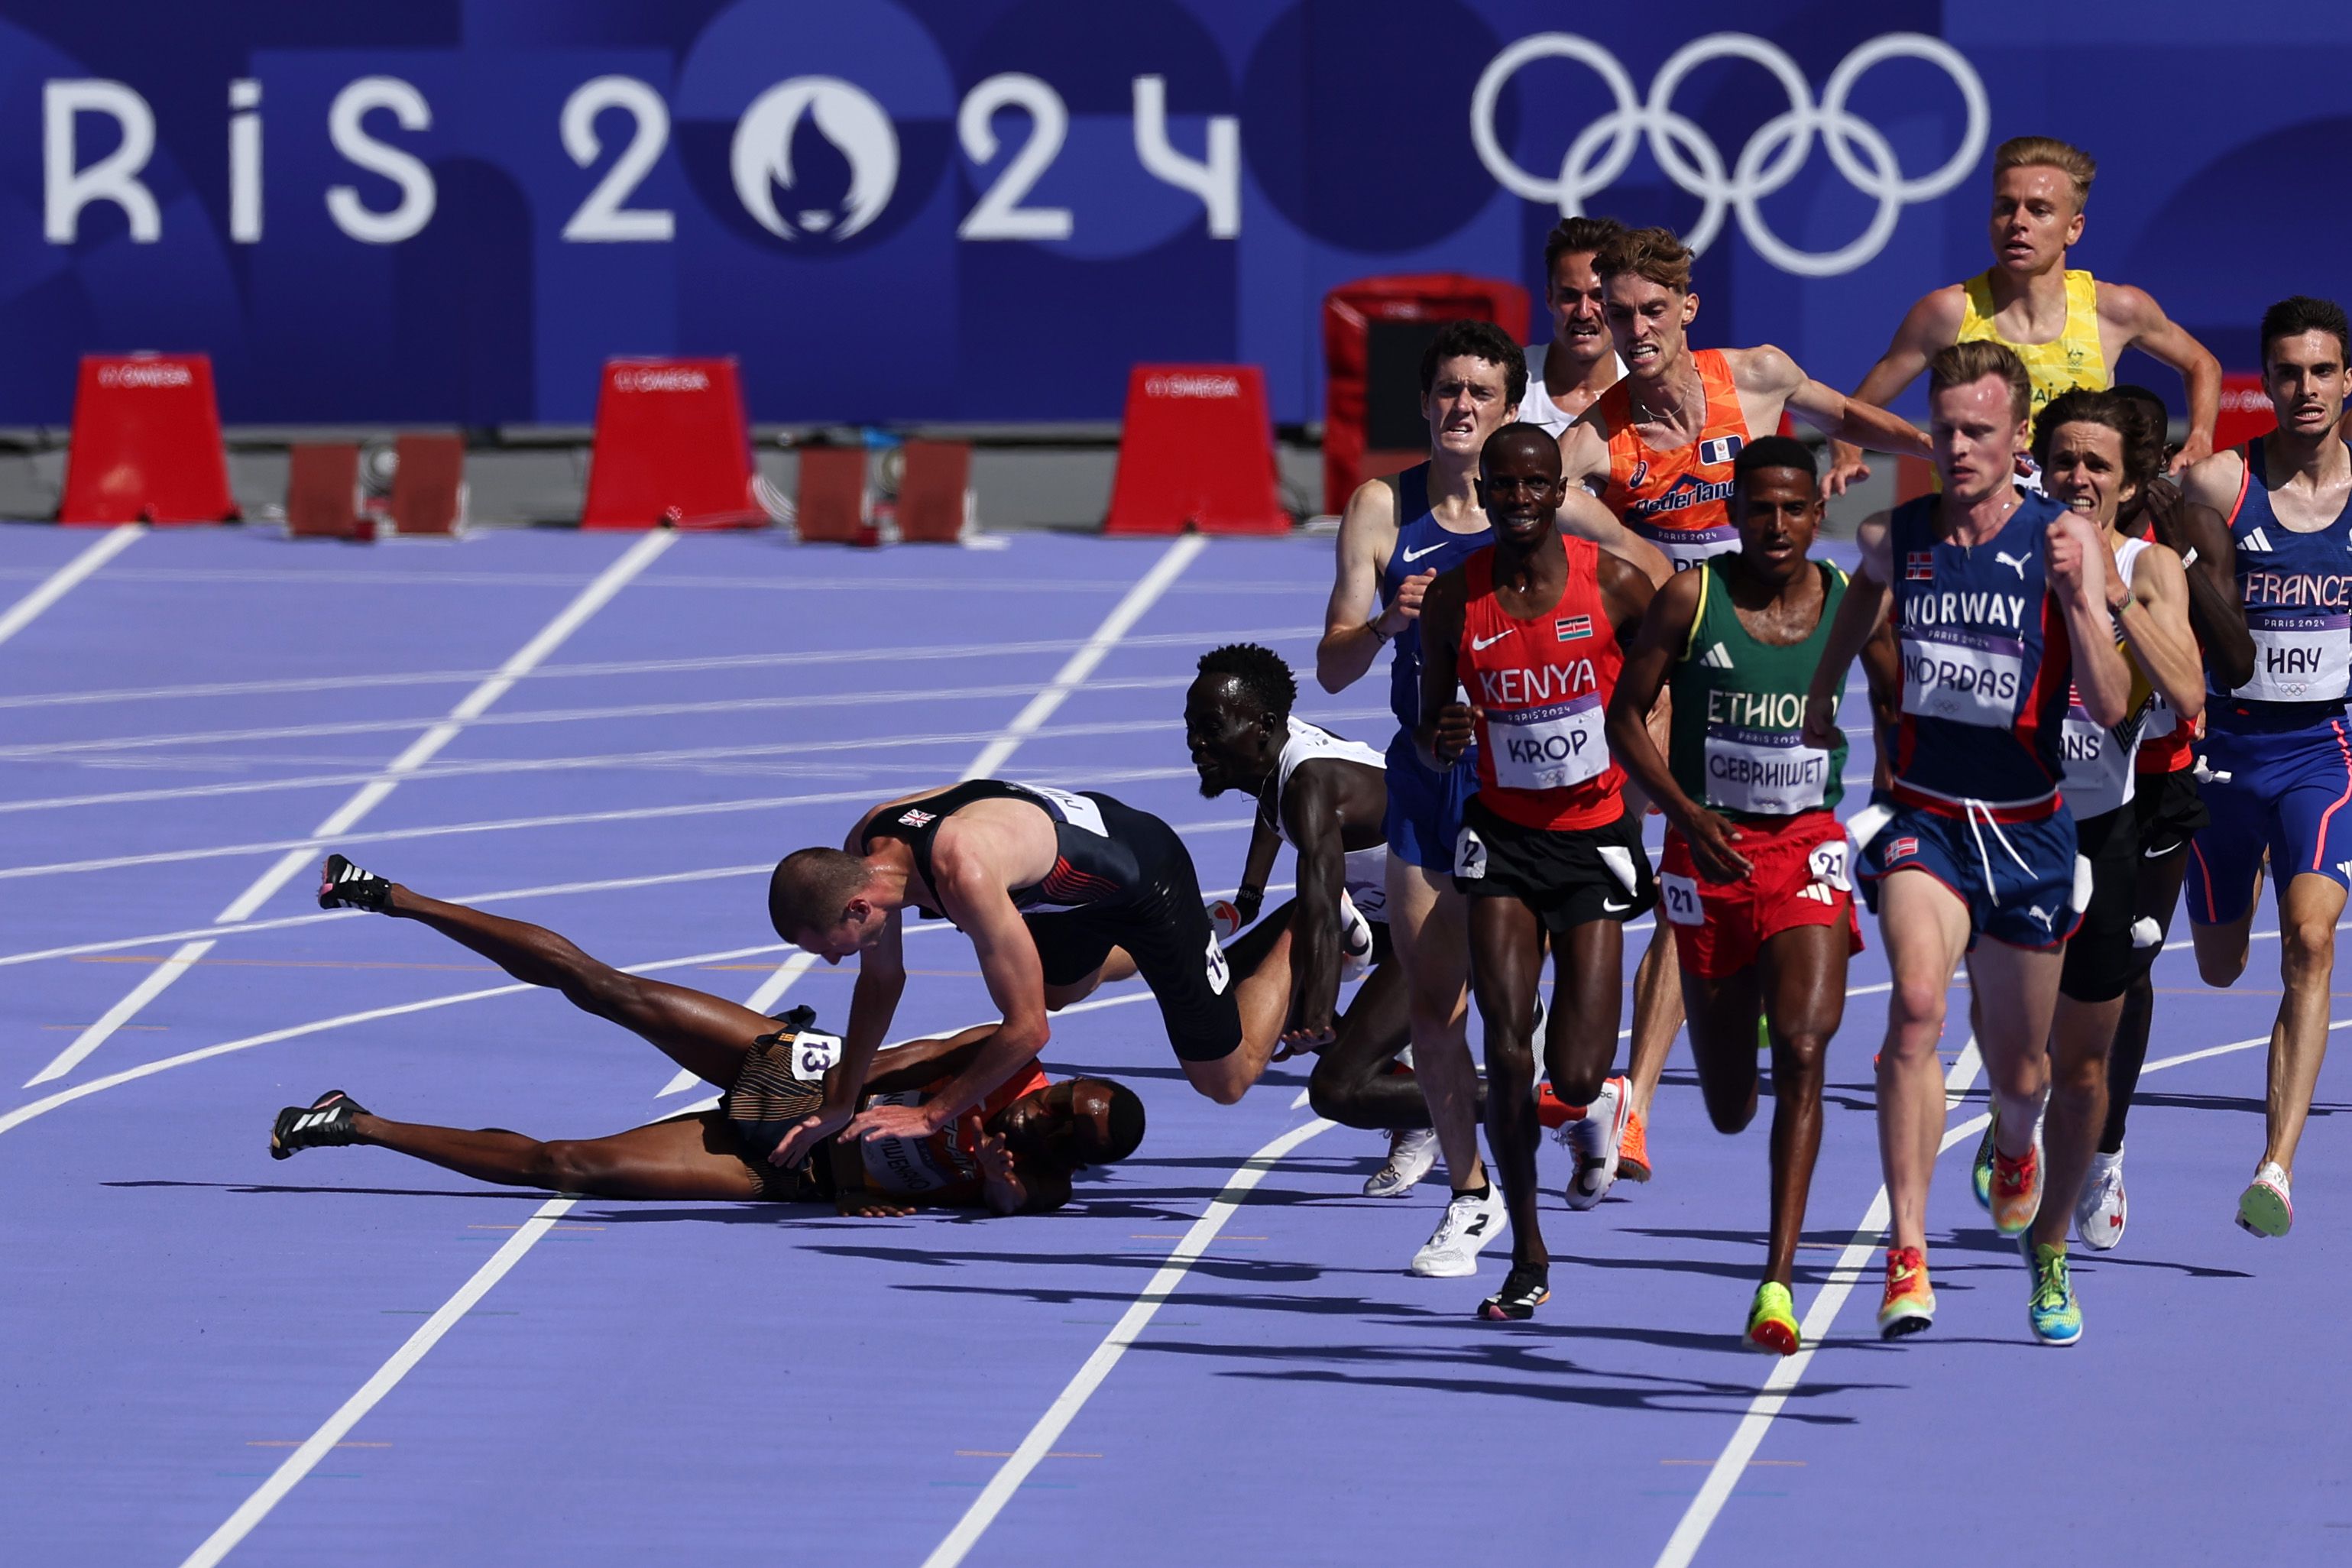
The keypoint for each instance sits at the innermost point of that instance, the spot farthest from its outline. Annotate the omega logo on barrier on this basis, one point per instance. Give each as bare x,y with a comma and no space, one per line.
1689,157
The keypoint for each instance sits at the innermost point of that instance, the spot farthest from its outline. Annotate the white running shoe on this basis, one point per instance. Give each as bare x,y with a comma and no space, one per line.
1355,940
1469,1224
1594,1141
2099,1212
1412,1154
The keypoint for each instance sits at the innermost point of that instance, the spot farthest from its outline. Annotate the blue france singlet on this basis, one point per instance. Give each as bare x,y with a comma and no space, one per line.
1422,544
2297,592
1986,664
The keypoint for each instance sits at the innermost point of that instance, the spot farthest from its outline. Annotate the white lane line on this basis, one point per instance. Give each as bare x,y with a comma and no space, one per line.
70,750
291,863
1852,1266
896,654
1073,673
321,1443
698,759
61,582
1129,1328
298,1464
1025,724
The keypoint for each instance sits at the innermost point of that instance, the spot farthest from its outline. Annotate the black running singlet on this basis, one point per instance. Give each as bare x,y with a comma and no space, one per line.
1090,867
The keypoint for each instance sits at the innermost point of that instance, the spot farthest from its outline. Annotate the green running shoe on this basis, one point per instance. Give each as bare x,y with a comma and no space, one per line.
1772,1320
1980,1175
2056,1317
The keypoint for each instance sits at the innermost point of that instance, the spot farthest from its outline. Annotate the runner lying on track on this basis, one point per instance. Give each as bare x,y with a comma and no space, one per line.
1015,1153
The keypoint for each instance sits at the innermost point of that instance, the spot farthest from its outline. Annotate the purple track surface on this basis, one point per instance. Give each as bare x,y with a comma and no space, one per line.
671,1382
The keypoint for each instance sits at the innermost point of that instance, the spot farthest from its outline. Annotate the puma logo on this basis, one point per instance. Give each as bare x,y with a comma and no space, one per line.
2019,562
2039,913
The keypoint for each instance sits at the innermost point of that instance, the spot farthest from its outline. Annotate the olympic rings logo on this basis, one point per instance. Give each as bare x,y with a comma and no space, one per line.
1771,158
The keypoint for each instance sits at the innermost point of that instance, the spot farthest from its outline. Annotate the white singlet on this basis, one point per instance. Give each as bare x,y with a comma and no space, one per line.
2100,761
1367,869
1537,407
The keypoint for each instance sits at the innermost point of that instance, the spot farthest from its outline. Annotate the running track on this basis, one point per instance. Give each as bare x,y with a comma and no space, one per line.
351,1356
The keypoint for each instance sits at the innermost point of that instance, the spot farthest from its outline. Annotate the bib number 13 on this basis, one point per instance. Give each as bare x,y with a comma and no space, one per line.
813,1054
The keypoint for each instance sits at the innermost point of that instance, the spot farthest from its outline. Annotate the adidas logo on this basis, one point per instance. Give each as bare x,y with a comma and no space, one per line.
2345,866
2257,540
1718,658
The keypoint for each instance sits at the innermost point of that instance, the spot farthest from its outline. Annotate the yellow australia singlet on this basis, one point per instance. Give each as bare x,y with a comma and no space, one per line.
2072,359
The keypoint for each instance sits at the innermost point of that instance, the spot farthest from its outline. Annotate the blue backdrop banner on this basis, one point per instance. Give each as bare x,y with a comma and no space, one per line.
988,209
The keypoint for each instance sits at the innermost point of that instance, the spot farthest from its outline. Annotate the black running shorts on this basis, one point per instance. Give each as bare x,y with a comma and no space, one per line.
767,1102
1162,922
2100,961
1569,877
2170,810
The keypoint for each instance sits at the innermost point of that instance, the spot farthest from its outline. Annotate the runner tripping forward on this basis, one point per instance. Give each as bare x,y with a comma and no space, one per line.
1998,602
2276,746
1755,880
1533,628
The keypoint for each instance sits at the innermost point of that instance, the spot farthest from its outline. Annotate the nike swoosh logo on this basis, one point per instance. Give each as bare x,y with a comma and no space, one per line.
2161,852
1413,555
1478,643
1615,908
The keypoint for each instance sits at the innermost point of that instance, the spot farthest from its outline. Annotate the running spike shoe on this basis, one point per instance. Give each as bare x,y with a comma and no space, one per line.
1909,1304
1980,1172
1595,1140
2016,1190
343,885
1471,1221
2099,1212
1412,1154
2264,1208
1633,1149
1524,1288
1772,1320
324,1123
2056,1317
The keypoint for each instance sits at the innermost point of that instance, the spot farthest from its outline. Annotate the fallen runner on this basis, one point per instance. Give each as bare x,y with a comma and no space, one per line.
1015,1153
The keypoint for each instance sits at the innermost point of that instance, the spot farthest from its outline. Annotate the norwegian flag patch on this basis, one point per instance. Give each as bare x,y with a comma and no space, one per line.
1901,849
1570,627
1721,449
1918,566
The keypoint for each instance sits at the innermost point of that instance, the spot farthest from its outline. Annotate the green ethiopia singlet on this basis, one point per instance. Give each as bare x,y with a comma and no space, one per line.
1740,709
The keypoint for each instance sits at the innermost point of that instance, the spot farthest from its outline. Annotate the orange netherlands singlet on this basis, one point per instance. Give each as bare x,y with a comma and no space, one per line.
1678,500
1542,687
941,1166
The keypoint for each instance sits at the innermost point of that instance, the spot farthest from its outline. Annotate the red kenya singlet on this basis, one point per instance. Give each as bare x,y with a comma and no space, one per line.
1542,687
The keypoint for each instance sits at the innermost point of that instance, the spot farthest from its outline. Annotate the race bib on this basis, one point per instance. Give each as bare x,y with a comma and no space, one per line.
1551,747
1968,677
1827,864
1680,896
1469,855
1077,809
2098,768
1689,547
1771,772
813,1054
2299,657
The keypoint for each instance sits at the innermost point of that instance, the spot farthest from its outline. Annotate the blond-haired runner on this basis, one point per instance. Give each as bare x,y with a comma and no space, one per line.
2066,326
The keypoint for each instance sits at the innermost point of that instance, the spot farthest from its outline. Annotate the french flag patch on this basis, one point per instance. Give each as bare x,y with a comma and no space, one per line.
1918,566
1570,627
1721,449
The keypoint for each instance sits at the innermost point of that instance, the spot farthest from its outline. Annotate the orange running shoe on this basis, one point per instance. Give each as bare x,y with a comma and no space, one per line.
1552,1111
1634,1149
1910,1304
2016,1190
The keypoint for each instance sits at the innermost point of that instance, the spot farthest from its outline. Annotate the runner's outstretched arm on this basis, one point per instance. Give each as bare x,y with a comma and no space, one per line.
1355,627
1265,843
873,1003
1931,323
972,893
2195,532
2143,325
1581,514
1446,726
1310,808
